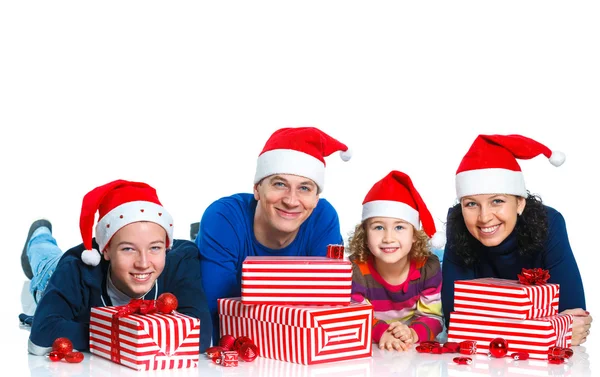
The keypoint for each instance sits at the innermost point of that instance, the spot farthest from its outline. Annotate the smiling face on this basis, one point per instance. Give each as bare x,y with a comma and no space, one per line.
389,240
284,202
491,218
137,255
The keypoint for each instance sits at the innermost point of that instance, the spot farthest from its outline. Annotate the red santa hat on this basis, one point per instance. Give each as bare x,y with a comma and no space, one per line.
298,151
119,203
395,196
490,166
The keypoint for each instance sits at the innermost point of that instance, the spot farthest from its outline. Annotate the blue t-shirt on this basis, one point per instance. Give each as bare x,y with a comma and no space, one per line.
226,238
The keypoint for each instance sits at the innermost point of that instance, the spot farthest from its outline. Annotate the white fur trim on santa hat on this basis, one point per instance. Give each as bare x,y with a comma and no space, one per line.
132,212
557,158
288,161
393,209
90,257
490,181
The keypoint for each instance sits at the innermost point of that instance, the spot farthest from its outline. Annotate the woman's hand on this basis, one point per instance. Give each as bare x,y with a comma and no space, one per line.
582,322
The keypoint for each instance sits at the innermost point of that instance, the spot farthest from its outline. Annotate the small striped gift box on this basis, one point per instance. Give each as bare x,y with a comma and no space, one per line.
534,336
301,334
145,342
296,281
505,298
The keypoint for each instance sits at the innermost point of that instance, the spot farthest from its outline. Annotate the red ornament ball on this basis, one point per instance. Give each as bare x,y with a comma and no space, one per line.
215,351
520,355
55,356
248,351
463,360
227,342
498,347
166,303
239,341
62,346
74,357
568,352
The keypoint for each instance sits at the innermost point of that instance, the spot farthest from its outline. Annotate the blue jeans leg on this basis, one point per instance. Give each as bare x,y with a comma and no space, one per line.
44,254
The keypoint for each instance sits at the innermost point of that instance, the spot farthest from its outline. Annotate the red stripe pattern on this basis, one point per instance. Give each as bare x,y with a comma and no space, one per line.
505,298
534,336
301,334
146,342
296,281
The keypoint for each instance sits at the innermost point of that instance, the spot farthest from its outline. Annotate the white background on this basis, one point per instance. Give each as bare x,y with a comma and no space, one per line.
183,95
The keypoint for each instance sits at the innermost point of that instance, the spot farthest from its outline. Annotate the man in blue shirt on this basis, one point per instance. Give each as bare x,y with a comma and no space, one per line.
283,217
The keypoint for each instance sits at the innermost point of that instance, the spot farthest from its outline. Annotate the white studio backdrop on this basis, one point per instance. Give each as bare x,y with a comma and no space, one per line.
183,95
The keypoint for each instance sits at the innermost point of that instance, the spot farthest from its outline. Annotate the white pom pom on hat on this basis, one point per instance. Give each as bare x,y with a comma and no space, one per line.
91,257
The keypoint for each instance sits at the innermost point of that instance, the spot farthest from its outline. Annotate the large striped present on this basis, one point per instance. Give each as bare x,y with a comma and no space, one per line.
145,342
534,336
296,280
301,334
505,298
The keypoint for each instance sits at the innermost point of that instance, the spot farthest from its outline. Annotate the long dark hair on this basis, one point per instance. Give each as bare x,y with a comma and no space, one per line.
532,231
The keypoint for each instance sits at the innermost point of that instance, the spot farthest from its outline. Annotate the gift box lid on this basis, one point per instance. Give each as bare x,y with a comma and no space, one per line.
268,261
504,297
306,316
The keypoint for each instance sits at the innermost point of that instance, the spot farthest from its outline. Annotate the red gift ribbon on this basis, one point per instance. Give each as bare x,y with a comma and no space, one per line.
335,251
135,306
533,276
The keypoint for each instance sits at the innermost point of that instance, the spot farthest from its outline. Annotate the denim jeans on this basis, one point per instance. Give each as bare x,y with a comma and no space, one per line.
43,254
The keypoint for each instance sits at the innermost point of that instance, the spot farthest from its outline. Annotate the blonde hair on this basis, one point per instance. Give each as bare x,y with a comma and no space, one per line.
359,249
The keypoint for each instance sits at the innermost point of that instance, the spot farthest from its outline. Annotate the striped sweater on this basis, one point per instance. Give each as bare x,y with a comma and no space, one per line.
416,302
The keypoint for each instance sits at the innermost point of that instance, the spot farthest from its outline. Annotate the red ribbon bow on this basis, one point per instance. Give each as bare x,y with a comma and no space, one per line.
135,306
533,276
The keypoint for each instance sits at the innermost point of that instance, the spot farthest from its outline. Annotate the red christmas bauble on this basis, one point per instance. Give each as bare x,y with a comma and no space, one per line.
215,351
74,357
166,303
454,347
55,356
498,347
239,341
463,360
520,355
248,351
568,352
62,346
227,342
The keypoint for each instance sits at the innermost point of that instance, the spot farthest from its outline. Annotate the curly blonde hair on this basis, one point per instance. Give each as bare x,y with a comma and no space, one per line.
359,250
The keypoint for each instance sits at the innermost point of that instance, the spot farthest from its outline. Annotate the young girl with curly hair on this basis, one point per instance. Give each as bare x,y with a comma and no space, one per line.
393,267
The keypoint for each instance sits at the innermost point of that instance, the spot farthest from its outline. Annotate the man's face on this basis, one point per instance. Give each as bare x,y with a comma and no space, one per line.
137,255
285,201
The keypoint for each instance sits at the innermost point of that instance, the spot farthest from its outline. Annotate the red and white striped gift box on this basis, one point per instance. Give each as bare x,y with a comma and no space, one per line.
301,334
534,336
505,298
296,280
146,342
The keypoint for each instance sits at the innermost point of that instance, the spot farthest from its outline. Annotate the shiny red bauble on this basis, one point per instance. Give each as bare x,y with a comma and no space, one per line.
498,347
227,342
74,357
239,341
62,346
55,356
463,360
166,303
248,351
